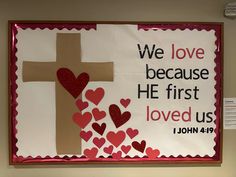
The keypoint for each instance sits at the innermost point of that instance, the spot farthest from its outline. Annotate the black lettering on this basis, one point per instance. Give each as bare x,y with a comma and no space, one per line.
144,91
148,71
146,48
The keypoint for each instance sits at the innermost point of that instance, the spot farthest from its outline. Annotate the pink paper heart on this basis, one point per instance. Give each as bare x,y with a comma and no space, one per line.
152,153
81,104
125,102
95,96
91,153
86,135
82,119
108,149
99,142
132,132
116,138
97,114
117,155
125,149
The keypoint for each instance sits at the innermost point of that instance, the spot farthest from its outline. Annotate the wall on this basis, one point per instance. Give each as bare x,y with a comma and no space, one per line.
118,10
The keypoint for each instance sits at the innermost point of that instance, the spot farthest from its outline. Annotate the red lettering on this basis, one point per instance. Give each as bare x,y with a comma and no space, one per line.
166,117
200,53
158,115
175,115
178,53
190,54
182,53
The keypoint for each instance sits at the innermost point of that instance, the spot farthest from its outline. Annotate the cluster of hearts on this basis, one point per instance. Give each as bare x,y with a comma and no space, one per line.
114,138
75,85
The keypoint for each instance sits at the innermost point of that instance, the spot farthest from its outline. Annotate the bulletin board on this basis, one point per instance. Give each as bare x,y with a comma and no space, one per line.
89,92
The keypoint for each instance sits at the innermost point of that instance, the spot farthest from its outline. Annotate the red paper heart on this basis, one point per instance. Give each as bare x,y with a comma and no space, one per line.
116,138
117,155
81,104
82,119
73,85
95,96
99,128
152,153
125,102
139,146
86,135
91,153
99,142
97,114
132,132
108,149
125,149
116,116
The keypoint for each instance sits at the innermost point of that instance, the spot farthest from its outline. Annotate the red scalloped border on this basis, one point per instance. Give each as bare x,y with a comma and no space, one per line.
14,26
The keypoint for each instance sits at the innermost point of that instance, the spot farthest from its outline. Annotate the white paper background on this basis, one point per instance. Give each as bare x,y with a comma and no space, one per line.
118,43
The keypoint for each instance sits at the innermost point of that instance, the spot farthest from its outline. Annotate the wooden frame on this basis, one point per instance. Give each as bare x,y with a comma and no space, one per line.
19,42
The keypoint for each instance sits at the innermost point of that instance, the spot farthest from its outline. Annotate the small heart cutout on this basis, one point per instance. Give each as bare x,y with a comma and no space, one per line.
125,102
97,114
108,149
74,85
117,155
139,146
116,138
86,135
125,149
99,128
82,119
132,132
116,116
91,153
152,153
81,105
99,142
95,96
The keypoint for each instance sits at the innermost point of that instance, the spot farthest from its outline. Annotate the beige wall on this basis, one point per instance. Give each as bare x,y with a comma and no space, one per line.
118,10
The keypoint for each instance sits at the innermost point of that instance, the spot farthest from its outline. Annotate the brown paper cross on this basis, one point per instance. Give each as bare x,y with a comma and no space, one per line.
68,55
